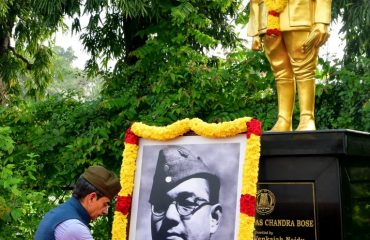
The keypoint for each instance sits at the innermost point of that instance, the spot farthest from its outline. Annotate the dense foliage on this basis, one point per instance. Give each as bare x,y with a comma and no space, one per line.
355,15
71,80
343,97
165,71
26,30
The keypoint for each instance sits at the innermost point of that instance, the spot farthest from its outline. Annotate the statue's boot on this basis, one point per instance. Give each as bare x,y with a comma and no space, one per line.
306,97
285,94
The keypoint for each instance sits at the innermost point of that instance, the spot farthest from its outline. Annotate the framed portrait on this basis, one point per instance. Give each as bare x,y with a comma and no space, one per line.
198,186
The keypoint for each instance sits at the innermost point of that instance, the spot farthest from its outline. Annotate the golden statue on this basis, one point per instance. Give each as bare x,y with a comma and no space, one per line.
291,32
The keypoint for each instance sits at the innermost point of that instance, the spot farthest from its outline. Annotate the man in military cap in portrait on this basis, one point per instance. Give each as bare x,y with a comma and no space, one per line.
184,197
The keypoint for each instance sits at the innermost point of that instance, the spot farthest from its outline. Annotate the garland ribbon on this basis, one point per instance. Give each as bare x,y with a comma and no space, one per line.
251,126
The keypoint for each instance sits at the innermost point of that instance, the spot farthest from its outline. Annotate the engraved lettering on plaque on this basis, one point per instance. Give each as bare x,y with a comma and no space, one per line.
285,211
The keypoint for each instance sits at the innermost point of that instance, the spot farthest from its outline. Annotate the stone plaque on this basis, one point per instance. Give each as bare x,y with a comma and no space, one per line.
285,211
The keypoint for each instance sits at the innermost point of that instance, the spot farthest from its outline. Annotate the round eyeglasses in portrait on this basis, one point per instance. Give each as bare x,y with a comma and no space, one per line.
184,207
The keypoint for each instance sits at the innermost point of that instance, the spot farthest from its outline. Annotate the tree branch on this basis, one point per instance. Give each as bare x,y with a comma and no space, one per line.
25,60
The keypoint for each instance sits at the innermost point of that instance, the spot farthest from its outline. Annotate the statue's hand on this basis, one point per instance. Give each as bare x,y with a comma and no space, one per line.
317,37
256,43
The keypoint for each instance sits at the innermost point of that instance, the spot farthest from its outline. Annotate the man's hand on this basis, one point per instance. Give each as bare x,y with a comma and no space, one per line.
317,37
256,43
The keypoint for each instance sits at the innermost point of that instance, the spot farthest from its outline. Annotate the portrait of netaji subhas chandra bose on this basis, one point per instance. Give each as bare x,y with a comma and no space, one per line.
184,198
188,192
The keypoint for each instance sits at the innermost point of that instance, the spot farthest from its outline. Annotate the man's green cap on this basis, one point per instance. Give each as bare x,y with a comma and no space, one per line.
104,180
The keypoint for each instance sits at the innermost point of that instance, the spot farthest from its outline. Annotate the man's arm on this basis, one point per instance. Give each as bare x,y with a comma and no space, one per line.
72,229
254,17
323,12
319,31
253,25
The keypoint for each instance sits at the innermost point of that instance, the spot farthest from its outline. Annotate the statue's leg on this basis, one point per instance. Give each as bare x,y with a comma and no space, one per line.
304,66
276,53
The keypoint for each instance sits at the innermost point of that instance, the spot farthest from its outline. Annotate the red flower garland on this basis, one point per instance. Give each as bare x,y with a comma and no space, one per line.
274,13
131,137
123,204
254,126
273,32
248,204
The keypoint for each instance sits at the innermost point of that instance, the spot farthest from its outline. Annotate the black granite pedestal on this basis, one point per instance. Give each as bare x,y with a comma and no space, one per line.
314,185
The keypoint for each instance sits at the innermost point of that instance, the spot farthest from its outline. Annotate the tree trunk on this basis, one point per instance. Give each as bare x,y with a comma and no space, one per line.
5,35
132,41
4,47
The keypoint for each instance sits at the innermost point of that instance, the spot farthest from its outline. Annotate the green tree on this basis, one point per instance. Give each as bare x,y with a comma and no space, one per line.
21,205
26,29
355,15
117,29
165,71
343,97
71,80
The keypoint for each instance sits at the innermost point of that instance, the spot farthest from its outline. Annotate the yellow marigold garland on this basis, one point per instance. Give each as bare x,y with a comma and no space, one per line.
219,130
274,8
161,133
119,229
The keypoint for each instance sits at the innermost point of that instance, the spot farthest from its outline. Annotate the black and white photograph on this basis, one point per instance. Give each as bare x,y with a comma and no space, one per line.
187,188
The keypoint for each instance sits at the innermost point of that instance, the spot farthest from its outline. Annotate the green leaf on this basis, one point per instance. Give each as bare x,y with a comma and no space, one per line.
16,214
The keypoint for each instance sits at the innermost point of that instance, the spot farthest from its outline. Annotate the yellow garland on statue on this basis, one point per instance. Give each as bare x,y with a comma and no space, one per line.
274,8
214,130
276,5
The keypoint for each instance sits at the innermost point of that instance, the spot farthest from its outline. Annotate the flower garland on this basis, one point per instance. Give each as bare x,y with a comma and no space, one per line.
274,8
251,126
161,133
123,204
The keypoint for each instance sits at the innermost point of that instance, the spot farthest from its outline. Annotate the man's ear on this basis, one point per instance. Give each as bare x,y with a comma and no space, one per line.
91,196
216,214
